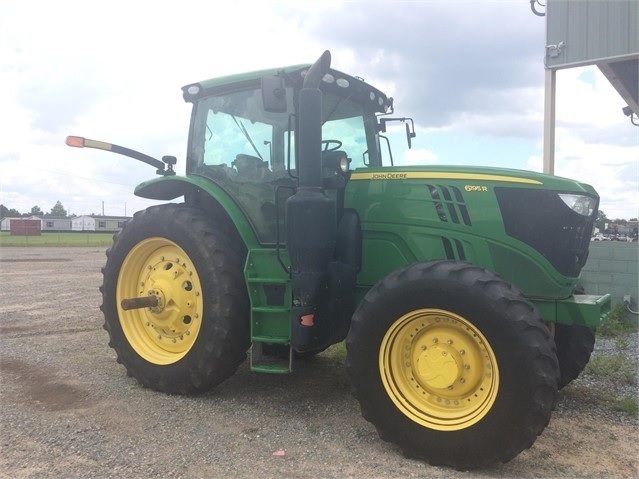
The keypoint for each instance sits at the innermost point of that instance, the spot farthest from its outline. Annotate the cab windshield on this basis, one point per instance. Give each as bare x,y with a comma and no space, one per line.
251,153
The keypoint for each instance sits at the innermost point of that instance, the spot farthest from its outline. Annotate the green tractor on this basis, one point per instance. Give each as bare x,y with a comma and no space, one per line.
453,287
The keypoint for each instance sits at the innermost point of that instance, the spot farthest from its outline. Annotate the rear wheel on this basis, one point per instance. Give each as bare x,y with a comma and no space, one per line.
452,364
197,332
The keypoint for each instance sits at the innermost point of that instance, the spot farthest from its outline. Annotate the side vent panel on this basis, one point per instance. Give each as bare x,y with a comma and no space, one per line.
449,204
453,249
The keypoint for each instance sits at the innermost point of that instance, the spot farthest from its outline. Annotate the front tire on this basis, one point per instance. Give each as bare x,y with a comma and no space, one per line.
452,364
575,344
198,333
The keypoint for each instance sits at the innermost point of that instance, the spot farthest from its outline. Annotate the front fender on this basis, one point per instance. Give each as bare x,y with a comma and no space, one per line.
168,188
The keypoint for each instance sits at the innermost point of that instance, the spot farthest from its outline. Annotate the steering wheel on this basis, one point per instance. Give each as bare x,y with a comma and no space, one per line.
337,143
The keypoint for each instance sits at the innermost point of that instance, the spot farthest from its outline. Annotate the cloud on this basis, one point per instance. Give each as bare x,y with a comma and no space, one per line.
445,55
595,142
464,70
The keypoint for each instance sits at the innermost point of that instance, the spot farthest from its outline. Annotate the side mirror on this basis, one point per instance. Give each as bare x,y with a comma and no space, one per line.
410,134
274,94
410,127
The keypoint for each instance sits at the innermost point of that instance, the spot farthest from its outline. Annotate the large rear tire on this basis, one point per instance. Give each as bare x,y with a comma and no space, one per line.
198,334
452,364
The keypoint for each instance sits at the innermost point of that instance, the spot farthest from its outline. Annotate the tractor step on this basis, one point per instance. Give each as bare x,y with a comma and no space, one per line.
272,364
270,294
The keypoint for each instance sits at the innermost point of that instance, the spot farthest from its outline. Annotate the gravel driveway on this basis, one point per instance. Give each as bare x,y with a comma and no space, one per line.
69,410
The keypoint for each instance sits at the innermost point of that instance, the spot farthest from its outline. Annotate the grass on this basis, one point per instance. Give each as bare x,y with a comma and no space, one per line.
602,396
337,352
57,239
618,323
617,367
629,405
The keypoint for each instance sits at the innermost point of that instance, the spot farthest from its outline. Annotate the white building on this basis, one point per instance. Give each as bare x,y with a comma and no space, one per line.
83,223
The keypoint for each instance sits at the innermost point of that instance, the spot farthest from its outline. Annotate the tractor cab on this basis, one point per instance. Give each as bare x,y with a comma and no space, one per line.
244,137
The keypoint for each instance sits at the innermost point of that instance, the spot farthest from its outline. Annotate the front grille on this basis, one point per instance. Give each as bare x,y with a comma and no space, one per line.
542,220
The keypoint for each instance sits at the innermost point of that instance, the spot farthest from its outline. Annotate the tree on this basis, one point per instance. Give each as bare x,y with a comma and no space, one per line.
58,210
601,220
9,213
36,211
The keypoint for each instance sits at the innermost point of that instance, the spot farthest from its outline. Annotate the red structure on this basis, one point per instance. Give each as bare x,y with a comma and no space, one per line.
25,227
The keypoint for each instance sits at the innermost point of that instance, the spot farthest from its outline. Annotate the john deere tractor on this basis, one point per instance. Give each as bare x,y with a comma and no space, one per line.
453,287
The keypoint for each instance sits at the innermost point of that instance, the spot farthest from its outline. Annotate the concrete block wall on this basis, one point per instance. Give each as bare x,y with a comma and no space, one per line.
612,267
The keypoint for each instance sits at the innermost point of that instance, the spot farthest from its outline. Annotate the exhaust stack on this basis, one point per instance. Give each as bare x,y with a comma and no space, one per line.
311,220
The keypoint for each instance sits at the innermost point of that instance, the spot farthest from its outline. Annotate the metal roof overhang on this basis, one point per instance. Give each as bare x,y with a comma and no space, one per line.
623,74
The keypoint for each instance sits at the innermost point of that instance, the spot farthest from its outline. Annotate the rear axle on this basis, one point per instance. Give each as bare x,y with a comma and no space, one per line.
137,303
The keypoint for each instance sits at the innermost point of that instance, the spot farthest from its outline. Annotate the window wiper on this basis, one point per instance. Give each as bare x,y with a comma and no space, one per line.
337,104
242,128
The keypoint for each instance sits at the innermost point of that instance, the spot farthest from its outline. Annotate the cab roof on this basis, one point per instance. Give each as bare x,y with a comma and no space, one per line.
334,80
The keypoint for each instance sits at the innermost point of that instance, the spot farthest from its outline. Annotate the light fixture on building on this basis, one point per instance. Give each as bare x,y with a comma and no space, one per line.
630,114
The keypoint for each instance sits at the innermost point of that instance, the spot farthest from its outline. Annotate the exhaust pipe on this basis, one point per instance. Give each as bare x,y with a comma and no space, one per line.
311,220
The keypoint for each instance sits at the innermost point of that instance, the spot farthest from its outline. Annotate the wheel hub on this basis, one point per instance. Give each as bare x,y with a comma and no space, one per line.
165,332
171,285
439,367
160,297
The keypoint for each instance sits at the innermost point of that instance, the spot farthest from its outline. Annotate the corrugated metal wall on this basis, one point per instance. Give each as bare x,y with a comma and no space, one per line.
591,30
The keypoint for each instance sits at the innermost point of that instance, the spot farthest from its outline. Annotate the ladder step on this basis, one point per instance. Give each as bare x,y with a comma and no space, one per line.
272,364
259,279
271,309
271,368
269,290
271,339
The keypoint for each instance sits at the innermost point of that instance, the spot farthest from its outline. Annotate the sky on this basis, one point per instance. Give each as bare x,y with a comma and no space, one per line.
469,72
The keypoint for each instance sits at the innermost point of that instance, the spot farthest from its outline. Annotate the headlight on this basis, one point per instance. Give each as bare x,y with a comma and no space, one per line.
581,204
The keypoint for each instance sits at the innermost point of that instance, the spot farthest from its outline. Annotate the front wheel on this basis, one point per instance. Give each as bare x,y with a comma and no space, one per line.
194,332
574,346
452,364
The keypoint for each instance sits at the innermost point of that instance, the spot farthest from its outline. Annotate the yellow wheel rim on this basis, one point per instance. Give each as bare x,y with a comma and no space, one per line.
163,334
438,369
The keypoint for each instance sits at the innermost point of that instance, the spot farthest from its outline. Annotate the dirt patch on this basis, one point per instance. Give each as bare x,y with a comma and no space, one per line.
40,386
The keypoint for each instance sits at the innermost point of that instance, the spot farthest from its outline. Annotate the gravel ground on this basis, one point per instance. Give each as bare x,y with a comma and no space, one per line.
69,410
